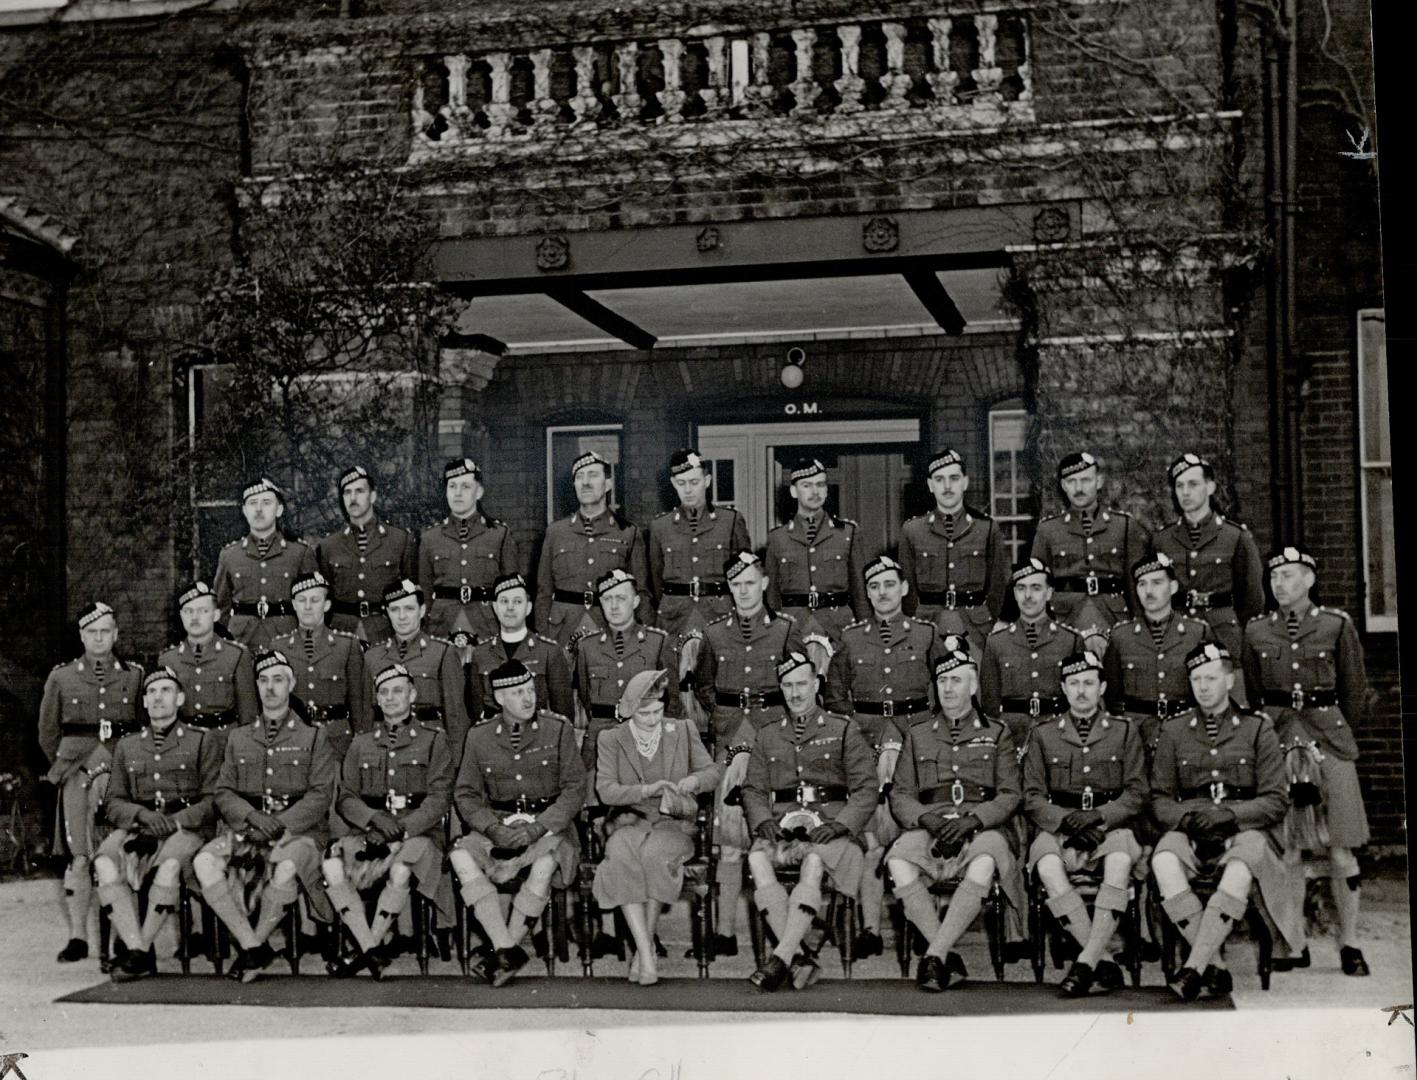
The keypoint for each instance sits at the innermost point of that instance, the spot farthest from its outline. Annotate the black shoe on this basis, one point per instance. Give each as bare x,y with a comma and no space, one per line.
805,971
770,976
508,963
77,949
249,963
136,965
1218,980
1017,951
442,944
1352,960
954,967
659,949
344,967
1107,975
1187,984
868,943
607,945
1077,982
1289,963
719,945
541,941
930,975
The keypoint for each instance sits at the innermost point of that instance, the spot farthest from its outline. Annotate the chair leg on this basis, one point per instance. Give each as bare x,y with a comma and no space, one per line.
756,922
1169,948
105,936
900,930
994,929
184,927
1264,944
585,933
292,936
561,938
848,937
1131,932
420,931
1037,931
460,933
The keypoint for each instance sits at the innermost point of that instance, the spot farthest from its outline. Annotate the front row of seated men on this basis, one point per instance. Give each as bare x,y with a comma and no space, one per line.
252,811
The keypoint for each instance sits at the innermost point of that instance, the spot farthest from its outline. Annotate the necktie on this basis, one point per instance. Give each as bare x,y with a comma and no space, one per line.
272,730
403,650
812,523
310,646
196,654
1084,726
1158,630
1291,621
954,728
516,734
1212,726
1193,531
99,671
361,537
1087,521
799,728
464,530
886,633
1031,631
949,527
693,517
263,547
619,644
745,627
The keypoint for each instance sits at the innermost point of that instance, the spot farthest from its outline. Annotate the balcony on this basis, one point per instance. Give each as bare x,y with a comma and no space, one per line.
923,75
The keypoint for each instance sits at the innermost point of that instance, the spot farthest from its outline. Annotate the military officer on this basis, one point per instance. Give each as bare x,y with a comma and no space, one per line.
1084,784
1218,787
1021,681
396,785
217,676
814,562
1216,559
954,559
329,663
542,656
882,667
160,802
1145,663
253,574
1304,663
1090,549
607,661
809,791
432,662
87,704
579,550
688,546
460,557
518,790
363,559
273,793
955,789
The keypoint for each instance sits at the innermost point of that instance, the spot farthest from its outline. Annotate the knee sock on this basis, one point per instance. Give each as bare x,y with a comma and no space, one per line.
78,896
1184,910
919,908
771,900
1111,901
122,913
1345,901
872,896
162,902
964,908
802,908
527,907
350,910
274,901
1069,910
392,900
1220,914
220,899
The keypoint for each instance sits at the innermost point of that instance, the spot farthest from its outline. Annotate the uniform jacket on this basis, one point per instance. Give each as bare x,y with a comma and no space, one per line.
574,554
1012,668
734,663
410,759
975,560
1226,560
619,769
444,560
600,676
831,564
438,682
296,765
1246,754
184,763
1135,668
103,707
864,668
335,677
1325,656
680,550
1111,760
832,752
1117,541
223,682
548,766
243,577
392,555
543,657
981,754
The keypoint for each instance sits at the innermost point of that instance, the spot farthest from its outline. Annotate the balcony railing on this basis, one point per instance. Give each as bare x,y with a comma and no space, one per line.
950,72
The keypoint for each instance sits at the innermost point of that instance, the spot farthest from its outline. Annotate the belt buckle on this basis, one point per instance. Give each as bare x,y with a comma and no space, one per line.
263,607
1093,586
1035,706
1217,792
950,597
1087,797
394,802
1196,599
364,609
1297,699
745,700
694,589
272,804
888,708
1163,707
957,793
588,599
465,594
105,730
813,598
159,801
806,793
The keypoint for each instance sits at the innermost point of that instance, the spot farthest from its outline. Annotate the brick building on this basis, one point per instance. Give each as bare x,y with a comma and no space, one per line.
1018,229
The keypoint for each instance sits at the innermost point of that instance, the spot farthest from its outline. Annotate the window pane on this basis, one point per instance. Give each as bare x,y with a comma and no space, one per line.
1382,573
1009,500
1372,355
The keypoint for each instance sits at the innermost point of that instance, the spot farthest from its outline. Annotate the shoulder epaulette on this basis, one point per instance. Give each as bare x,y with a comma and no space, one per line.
1050,517
546,640
849,521
721,619
1261,617
552,715
618,516
1336,611
1119,510
662,514
784,615
342,633
1000,629
778,528
654,630
855,625
976,512
232,543
917,517
442,641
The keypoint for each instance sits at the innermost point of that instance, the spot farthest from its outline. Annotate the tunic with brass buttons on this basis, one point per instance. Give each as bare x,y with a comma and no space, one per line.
969,561
180,767
830,566
1109,767
332,685
867,670
574,554
542,656
84,710
832,753
685,549
438,683
1221,576
980,756
357,582
735,661
1117,541
219,689
1147,682
295,769
244,576
445,562
409,759
601,675
1012,670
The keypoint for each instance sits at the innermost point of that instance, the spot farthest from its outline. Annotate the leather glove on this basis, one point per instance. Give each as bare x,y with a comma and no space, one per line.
1303,793
533,831
1224,823
828,831
1079,820
1086,839
933,822
505,836
385,827
150,821
265,826
958,830
165,826
768,830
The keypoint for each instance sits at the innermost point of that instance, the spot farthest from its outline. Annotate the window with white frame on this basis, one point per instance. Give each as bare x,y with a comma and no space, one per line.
563,446
1375,455
1010,500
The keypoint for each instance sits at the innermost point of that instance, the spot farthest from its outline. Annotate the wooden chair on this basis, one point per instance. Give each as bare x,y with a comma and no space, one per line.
1256,924
1050,940
992,912
840,918
185,899
552,926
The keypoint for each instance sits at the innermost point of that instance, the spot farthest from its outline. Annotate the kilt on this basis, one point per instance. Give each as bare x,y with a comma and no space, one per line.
1343,803
563,847
135,868
1076,861
914,847
77,827
843,858
644,860
883,829
303,851
1253,848
419,853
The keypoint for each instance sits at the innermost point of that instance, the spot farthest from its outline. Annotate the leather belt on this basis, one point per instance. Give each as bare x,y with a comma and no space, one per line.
429,714
168,806
899,707
1091,584
951,597
84,727
463,594
212,721
394,803
695,588
269,804
1199,600
814,599
327,714
1218,791
360,609
569,596
602,712
523,805
749,700
1300,699
1086,799
812,793
1160,706
262,609
1035,705
957,792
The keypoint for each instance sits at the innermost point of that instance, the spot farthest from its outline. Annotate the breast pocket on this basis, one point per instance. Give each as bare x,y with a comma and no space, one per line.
291,772
1194,772
929,768
250,773
568,565
1106,772
411,773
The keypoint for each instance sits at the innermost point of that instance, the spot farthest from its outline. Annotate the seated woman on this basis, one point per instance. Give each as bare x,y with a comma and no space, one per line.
647,770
